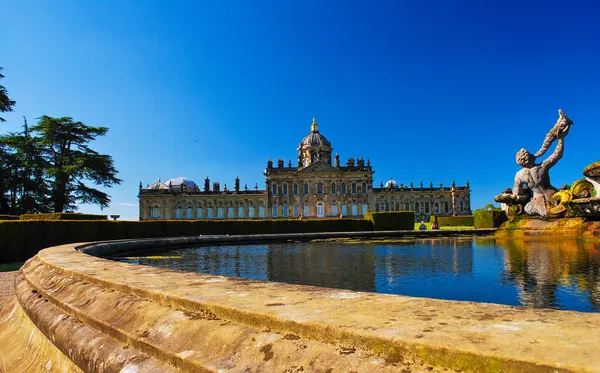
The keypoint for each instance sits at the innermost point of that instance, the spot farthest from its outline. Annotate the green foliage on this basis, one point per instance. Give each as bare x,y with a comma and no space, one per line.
490,206
20,240
485,218
6,104
391,220
63,216
452,221
9,217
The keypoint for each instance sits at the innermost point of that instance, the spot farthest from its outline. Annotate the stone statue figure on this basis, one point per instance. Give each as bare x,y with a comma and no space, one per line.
532,188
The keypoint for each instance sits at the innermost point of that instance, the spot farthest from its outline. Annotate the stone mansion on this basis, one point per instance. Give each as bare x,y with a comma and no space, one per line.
317,187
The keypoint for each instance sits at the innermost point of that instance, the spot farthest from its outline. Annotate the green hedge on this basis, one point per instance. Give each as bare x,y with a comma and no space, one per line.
392,221
9,217
453,221
20,240
489,218
63,216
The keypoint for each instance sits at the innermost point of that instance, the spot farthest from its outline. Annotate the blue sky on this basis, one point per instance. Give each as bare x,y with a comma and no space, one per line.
428,90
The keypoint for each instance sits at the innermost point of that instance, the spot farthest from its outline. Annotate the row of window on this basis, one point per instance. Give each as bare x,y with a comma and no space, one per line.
210,212
417,207
319,210
320,189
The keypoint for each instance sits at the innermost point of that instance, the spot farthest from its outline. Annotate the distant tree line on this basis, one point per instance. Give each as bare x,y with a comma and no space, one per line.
45,167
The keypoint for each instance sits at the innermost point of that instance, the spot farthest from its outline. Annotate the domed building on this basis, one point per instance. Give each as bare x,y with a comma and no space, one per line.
317,187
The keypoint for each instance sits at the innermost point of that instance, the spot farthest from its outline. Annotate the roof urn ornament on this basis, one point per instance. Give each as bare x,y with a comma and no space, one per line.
337,160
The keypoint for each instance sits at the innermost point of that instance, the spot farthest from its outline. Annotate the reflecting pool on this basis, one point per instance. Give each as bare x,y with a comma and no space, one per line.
549,274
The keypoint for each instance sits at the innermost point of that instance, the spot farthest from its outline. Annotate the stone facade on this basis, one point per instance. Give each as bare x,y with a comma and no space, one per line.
314,188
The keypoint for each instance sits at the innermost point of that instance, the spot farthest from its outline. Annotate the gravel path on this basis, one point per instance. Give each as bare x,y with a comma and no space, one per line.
7,284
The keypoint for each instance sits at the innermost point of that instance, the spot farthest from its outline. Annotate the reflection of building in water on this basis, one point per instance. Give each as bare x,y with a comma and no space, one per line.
540,268
426,257
326,264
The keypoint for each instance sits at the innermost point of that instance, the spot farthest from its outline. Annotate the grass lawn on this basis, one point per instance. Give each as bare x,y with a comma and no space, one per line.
445,228
12,266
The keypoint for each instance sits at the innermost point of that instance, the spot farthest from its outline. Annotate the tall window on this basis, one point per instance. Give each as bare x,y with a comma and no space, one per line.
179,213
199,213
353,188
306,210
189,213
436,207
417,208
446,207
427,211
319,188
285,210
344,209
377,207
407,206
240,212
305,189
364,188
296,210
320,210
274,210
365,208
343,188
155,213
285,189
461,206
209,213
230,212
333,191
274,189
261,212
334,211
251,212
387,206
295,189
397,206
354,209
219,212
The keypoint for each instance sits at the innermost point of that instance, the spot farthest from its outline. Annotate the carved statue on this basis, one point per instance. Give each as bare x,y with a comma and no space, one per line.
532,190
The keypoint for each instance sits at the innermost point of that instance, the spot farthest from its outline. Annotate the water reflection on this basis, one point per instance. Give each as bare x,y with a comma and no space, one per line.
549,274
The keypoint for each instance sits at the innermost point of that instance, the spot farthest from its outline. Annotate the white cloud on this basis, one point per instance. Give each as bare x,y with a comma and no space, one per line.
129,204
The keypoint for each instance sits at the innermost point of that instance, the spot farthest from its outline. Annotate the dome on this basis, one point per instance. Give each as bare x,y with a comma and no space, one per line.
178,181
391,184
314,138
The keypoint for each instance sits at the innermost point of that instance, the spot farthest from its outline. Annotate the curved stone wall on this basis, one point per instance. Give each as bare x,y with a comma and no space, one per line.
76,312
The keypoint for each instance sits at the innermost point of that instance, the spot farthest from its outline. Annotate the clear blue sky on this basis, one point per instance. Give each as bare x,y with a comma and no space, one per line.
428,90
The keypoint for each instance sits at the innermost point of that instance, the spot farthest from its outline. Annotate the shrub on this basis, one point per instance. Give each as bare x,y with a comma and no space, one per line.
489,218
392,221
9,217
63,216
452,221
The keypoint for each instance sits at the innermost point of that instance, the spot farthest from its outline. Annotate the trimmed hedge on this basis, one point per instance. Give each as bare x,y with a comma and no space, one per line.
9,217
489,218
20,240
452,221
63,216
392,221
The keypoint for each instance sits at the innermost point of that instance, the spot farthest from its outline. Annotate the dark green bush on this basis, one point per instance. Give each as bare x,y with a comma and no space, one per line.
392,221
9,217
452,221
62,216
489,218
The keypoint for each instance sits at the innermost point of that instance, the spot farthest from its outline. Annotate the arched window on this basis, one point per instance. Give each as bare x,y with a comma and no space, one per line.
295,189
240,213
364,188
199,213
354,209
305,189
306,210
333,191
344,209
274,189
397,206
320,210
189,214
285,189
179,213
274,210
353,188
155,212
365,208
461,206
209,213
251,212
334,211
377,206
285,210
407,206
436,207
343,188
427,208
446,207
261,212
296,210
417,208
220,212
319,188
230,212
387,206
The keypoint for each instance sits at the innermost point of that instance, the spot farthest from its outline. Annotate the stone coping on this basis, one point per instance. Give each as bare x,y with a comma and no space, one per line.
160,320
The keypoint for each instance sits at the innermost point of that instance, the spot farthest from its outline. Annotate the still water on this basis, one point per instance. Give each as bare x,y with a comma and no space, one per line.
557,274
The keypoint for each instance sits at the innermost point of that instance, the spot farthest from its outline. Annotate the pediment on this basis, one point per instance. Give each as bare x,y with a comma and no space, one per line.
318,167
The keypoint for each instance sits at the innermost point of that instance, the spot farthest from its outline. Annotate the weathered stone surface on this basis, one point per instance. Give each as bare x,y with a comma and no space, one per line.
106,316
528,228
